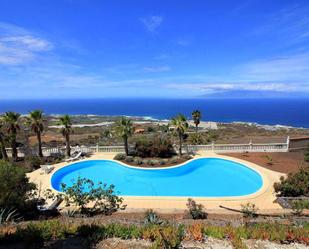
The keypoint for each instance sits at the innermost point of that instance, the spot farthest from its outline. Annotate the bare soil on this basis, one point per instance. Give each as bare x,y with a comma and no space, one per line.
281,162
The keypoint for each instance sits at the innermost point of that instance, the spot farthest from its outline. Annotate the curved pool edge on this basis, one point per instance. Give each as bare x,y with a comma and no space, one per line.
254,167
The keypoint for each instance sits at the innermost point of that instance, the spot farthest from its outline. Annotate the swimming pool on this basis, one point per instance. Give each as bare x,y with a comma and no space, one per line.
204,177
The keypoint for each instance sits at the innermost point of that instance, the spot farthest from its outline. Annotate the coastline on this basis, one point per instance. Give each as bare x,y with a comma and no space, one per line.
273,112
148,119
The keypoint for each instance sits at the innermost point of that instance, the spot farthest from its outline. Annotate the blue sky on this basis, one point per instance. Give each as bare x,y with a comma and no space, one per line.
153,48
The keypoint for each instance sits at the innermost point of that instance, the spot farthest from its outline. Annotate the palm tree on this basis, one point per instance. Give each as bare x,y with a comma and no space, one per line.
11,120
124,128
180,124
36,124
2,144
196,115
66,131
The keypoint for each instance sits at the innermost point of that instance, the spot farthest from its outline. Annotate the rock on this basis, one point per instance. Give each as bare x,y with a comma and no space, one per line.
261,244
115,243
211,243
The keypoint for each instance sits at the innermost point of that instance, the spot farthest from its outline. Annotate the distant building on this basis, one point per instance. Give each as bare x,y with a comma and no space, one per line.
139,131
299,143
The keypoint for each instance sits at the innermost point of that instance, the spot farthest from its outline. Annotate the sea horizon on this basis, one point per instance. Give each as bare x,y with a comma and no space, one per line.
265,111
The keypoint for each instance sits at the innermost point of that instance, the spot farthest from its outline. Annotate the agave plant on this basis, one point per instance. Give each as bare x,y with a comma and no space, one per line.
152,218
71,212
9,216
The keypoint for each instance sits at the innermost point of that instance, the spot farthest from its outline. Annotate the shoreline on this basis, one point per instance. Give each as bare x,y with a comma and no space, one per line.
205,124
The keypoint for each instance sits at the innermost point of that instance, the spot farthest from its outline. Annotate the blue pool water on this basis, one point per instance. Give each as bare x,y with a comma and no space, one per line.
205,177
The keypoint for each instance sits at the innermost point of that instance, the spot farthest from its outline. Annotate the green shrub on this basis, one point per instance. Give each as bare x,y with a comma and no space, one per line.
196,138
84,193
95,233
249,210
298,206
155,162
33,235
154,147
152,162
174,159
129,159
296,184
14,186
138,161
214,231
120,156
164,236
186,157
196,211
122,231
32,162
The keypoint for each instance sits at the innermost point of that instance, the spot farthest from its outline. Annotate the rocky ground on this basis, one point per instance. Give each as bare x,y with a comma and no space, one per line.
209,244
115,243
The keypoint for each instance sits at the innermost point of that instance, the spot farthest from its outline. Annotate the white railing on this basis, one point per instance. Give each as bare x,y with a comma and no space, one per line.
219,148
240,148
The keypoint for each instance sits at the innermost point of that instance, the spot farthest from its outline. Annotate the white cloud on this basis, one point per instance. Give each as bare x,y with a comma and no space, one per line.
18,46
288,26
157,69
16,50
250,86
152,23
289,68
27,42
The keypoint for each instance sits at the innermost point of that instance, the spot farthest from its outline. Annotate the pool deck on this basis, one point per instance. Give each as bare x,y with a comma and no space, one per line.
263,199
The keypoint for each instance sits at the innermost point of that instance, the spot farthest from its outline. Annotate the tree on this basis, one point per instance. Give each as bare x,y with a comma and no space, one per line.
14,186
181,125
196,115
11,120
84,192
66,132
295,184
3,153
36,124
124,128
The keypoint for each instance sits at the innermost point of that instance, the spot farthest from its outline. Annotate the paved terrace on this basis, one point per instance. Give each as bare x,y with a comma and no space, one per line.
264,198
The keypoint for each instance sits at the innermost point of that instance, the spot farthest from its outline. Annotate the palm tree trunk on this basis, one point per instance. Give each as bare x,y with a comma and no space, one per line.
3,150
68,147
126,147
196,128
40,143
180,144
14,146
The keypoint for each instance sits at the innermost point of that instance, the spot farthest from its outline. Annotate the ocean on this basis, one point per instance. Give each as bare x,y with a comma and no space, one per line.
289,111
